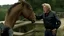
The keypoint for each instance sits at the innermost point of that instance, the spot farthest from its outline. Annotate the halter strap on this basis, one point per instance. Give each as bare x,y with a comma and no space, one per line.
29,16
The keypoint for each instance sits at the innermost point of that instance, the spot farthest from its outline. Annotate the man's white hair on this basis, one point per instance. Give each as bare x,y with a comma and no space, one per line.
47,5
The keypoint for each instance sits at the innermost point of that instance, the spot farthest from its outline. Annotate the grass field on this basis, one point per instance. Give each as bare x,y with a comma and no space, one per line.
60,31
41,28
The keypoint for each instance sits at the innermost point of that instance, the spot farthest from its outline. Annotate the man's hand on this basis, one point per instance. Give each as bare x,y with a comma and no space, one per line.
54,31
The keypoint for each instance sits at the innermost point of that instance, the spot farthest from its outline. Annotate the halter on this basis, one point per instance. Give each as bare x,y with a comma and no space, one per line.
30,13
29,16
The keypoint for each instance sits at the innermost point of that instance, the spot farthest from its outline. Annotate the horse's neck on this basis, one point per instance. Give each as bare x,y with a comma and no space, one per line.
11,18
10,21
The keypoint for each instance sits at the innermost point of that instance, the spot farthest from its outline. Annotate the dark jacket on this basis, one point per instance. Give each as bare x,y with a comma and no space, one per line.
51,20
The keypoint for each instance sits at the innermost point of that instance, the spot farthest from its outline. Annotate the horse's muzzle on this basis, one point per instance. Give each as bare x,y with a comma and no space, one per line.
33,21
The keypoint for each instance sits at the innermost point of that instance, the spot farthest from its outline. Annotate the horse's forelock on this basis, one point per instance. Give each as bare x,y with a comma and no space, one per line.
28,6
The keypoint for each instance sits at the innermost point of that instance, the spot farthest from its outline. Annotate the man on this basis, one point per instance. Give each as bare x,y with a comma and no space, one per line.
50,19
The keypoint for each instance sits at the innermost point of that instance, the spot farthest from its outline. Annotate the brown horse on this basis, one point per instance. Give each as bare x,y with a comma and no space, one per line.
17,10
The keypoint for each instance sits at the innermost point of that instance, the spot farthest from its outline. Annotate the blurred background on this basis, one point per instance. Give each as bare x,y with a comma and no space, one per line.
57,5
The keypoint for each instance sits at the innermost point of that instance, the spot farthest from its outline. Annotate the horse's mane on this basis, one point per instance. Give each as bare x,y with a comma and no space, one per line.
23,3
12,7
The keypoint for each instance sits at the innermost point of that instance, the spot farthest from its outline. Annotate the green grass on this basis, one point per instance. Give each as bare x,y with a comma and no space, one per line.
41,28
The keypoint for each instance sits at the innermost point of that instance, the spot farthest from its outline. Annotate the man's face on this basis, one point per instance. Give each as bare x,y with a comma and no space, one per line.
45,9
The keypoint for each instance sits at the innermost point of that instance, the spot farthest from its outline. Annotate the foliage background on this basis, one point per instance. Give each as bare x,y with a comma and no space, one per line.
57,5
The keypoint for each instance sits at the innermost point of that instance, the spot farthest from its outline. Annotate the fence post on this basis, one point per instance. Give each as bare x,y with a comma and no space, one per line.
33,33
